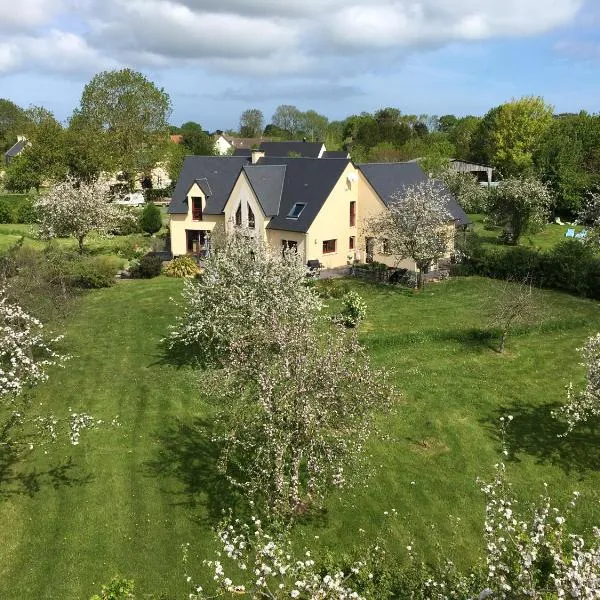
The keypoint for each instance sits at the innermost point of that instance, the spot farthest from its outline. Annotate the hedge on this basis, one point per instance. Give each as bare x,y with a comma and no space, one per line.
570,266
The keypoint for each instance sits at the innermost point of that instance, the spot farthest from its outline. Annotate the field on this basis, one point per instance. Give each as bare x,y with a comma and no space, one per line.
128,496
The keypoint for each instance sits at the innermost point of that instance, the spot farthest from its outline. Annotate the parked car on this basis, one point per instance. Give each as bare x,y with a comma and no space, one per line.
133,199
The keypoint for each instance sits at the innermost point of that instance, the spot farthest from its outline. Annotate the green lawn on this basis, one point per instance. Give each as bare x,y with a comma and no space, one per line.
11,233
127,497
544,240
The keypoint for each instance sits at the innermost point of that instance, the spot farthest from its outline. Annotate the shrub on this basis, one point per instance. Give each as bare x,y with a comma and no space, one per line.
151,195
329,288
149,266
6,215
92,272
354,310
183,266
129,226
25,212
132,247
151,219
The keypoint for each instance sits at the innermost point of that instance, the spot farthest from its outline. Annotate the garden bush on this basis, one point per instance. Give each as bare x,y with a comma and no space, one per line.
151,219
6,215
131,225
151,195
183,266
354,310
92,272
148,267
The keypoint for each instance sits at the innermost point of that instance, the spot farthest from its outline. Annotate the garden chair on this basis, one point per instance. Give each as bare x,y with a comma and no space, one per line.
570,233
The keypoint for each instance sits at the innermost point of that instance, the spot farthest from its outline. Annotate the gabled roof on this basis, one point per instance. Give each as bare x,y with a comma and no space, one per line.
204,186
267,182
16,149
388,178
308,181
220,173
242,152
335,154
304,149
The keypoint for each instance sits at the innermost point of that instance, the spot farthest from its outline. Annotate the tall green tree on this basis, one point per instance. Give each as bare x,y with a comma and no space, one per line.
196,140
313,125
513,132
287,118
131,110
252,122
568,159
461,135
13,119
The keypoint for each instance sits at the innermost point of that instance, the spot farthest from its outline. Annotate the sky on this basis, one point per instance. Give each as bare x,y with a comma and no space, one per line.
216,58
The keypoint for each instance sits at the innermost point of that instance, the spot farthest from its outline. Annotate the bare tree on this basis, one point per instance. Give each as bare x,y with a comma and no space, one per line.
512,305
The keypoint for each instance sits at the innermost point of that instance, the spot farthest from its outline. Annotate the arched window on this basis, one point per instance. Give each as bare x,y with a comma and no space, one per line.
238,215
251,219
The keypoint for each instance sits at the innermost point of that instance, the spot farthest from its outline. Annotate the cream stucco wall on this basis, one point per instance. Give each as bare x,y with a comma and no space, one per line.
242,193
333,222
372,205
181,223
276,236
222,146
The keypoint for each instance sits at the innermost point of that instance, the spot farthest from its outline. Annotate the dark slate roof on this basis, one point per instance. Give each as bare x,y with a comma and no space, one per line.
307,180
220,172
388,178
304,149
242,152
204,186
335,154
267,182
16,149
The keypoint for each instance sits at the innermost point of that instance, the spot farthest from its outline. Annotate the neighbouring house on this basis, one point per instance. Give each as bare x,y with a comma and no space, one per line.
319,207
226,144
336,154
301,149
16,149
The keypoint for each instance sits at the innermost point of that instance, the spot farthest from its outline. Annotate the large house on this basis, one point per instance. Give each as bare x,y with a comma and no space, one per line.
319,206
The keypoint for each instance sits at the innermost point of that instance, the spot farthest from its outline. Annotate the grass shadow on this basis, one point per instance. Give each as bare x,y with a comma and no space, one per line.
188,453
181,356
535,432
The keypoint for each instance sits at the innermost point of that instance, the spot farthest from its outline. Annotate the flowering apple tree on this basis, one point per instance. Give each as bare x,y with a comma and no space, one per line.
297,393
74,208
582,405
416,225
25,353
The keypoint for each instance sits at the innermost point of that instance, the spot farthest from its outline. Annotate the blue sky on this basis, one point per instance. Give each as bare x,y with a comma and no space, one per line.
339,57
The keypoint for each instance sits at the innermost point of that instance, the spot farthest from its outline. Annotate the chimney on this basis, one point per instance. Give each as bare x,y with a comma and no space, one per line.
256,155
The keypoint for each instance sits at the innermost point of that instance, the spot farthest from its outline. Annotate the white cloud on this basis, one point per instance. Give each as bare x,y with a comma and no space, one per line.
28,14
257,37
57,51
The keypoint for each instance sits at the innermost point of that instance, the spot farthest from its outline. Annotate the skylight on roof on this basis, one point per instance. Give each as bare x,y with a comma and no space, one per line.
296,210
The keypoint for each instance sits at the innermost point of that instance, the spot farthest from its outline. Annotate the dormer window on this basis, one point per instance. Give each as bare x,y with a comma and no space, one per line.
296,210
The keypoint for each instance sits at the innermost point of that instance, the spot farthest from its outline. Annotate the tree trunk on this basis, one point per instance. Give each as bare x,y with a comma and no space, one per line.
503,341
422,269
80,242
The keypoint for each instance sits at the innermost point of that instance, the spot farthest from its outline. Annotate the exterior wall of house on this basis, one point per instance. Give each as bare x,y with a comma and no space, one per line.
242,193
275,238
222,146
370,206
180,224
333,222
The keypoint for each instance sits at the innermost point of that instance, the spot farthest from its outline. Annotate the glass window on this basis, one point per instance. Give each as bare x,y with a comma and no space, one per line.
329,246
352,213
351,242
251,219
296,210
238,216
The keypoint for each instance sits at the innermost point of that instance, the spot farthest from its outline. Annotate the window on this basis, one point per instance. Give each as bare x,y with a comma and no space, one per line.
296,210
196,209
351,242
352,213
251,219
289,245
329,246
238,215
